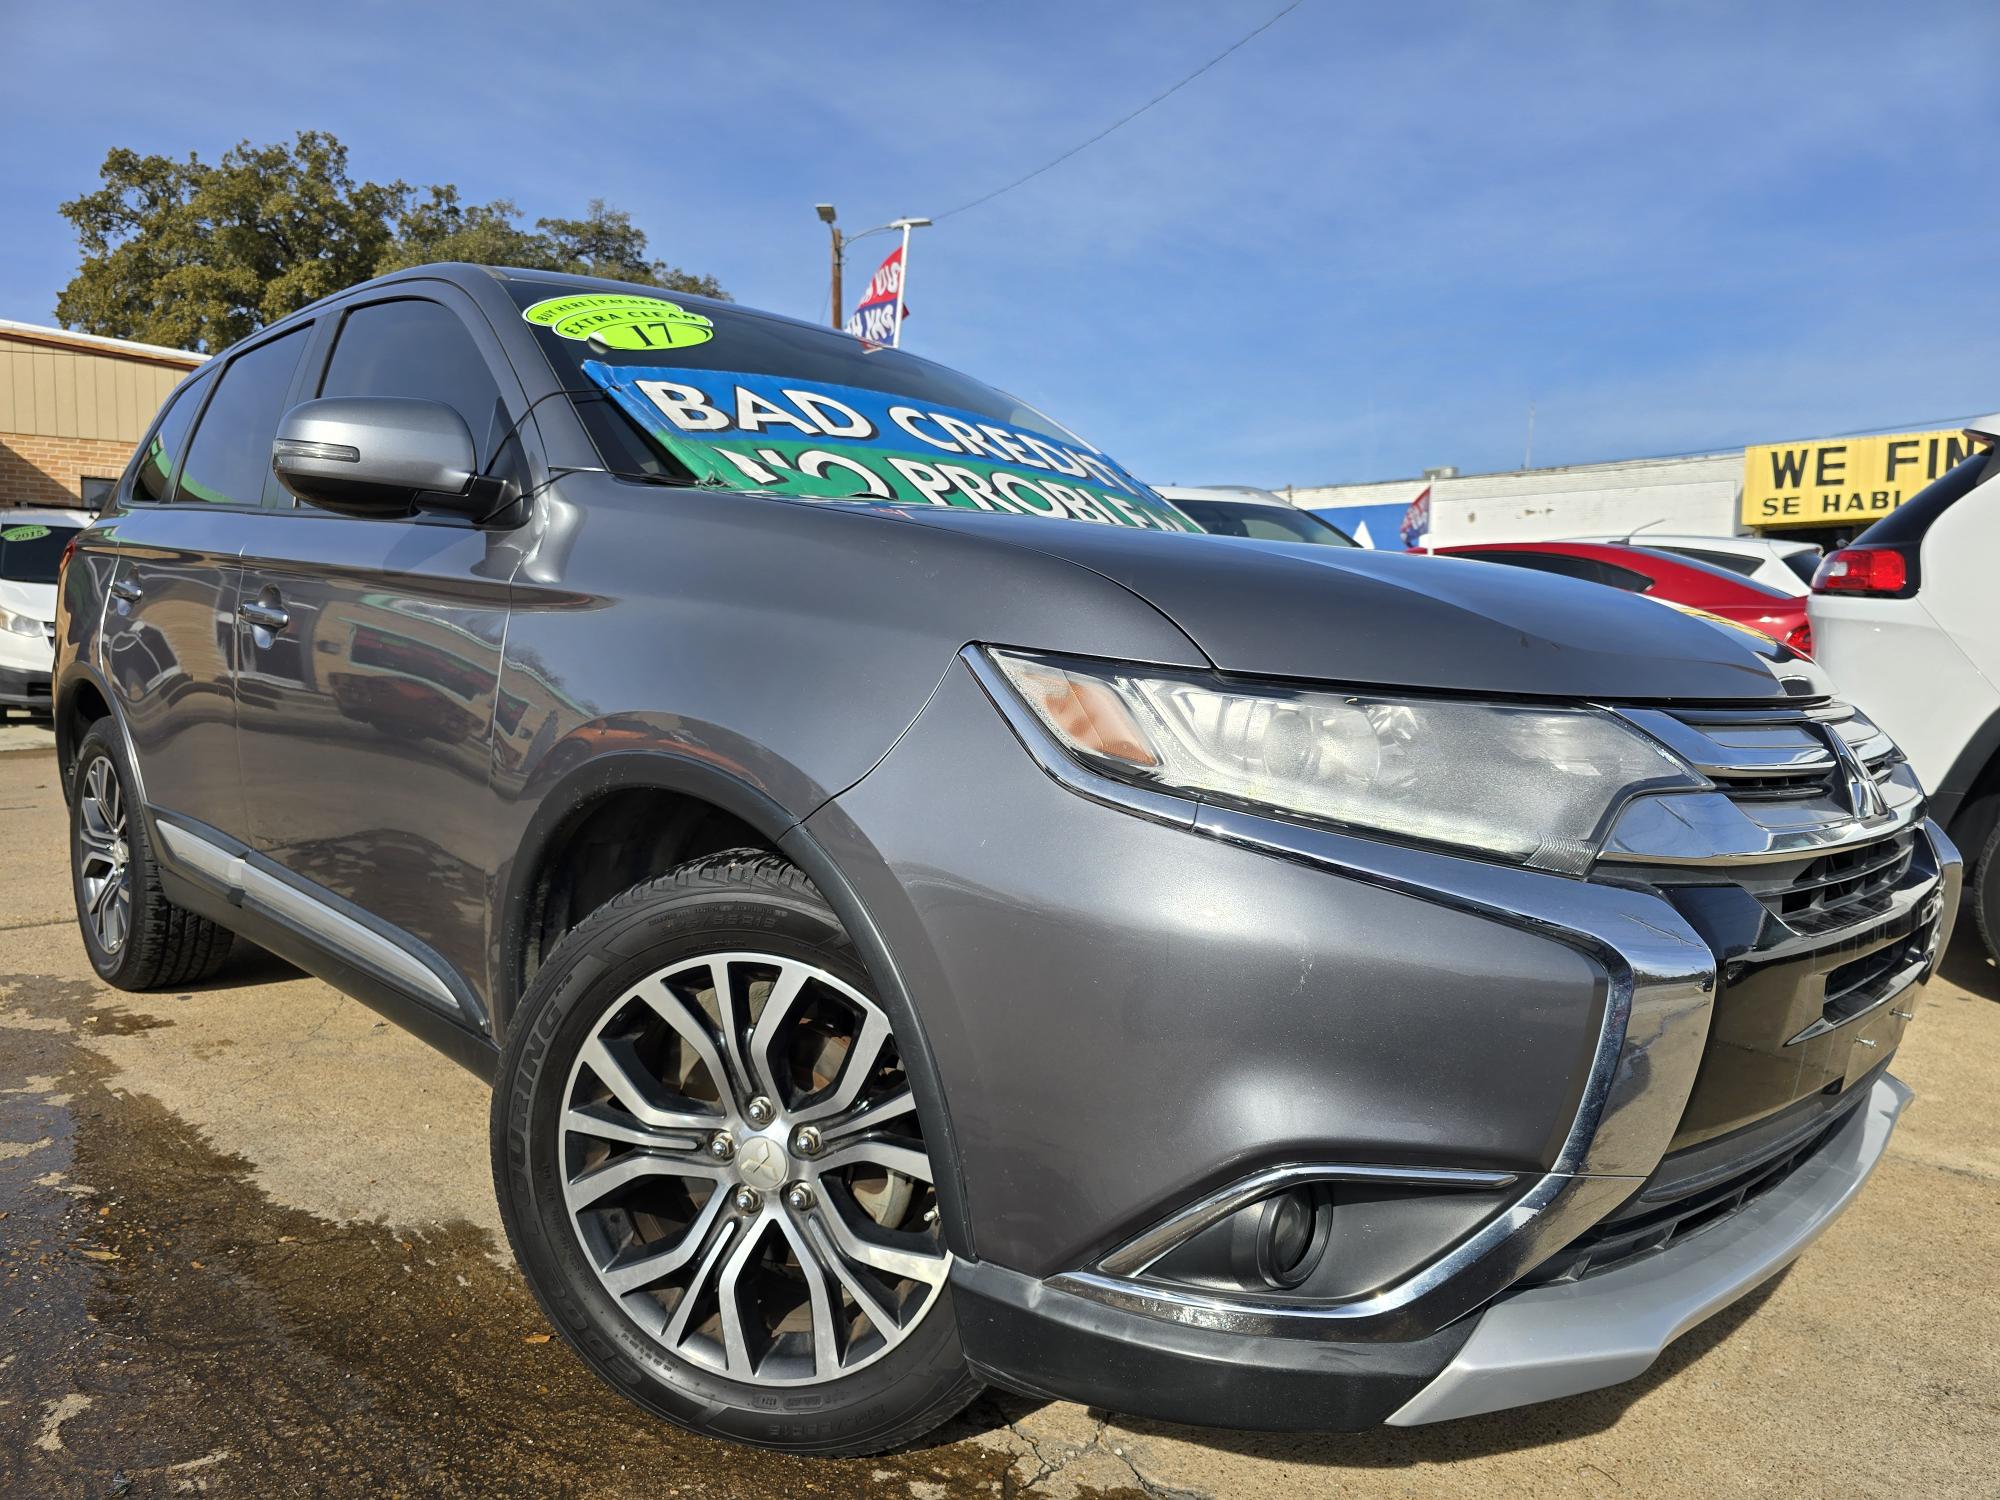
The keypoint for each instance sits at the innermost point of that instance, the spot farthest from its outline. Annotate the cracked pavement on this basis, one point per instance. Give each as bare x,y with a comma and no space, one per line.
248,1246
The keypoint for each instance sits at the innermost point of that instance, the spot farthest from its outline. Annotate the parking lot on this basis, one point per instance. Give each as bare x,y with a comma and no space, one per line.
248,1247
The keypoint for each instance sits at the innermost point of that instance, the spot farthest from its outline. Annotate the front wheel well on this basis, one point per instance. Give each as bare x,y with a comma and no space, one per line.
82,706
608,845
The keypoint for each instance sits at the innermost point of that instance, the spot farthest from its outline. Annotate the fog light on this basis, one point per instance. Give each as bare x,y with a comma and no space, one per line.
1288,1228
1279,1241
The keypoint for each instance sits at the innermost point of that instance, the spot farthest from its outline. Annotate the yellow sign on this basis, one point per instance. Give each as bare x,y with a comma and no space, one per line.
1842,481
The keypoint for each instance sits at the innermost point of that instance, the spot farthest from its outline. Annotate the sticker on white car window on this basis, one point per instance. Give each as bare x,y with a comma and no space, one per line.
23,533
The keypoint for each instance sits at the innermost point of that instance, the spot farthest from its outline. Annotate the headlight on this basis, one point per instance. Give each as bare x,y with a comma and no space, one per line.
1533,785
15,624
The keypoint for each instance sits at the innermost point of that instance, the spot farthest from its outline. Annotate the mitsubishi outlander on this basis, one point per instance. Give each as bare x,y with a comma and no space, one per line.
932,917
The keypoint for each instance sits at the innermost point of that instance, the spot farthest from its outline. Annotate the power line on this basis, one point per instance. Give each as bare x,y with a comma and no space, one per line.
1125,120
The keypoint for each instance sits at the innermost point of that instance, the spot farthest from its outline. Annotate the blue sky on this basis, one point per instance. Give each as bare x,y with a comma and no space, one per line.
1358,247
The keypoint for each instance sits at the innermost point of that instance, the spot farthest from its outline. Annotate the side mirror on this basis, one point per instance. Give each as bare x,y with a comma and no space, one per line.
380,457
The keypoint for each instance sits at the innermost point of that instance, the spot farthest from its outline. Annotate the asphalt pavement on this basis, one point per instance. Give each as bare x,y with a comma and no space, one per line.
248,1246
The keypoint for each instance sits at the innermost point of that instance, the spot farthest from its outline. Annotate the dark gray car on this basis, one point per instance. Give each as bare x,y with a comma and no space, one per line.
930,918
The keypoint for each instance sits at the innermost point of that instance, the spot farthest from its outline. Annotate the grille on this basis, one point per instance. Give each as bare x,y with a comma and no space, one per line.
1621,1239
1805,867
1690,1192
1836,890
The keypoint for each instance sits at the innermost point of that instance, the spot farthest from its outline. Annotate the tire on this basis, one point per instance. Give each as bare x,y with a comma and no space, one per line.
136,938
635,1051
1986,895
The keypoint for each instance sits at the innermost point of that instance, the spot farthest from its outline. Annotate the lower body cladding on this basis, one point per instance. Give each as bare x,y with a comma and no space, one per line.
1265,1126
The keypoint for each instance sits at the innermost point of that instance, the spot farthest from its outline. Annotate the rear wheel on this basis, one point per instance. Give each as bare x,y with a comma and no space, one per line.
711,1168
136,938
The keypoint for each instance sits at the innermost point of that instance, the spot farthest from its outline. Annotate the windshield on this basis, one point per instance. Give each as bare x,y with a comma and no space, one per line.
1264,523
32,552
739,400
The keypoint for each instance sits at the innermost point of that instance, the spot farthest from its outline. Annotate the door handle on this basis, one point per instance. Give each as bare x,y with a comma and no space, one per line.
263,616
127,590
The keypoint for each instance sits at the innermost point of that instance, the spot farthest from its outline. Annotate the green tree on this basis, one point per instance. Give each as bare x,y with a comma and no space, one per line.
603,243
441,228
607,243
196,256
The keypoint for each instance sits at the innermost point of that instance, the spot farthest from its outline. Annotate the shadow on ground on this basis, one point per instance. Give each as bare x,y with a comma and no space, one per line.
1968,964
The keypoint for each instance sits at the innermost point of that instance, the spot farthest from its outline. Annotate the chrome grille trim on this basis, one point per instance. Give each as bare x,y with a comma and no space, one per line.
1783,785
1725,750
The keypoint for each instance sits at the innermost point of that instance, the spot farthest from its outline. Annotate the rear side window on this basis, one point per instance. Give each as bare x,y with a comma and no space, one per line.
163,449
419,351
1728,561
31,552
1589,569
229,461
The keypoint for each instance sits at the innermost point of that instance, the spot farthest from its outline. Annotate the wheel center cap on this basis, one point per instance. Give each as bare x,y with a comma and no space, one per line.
761,1164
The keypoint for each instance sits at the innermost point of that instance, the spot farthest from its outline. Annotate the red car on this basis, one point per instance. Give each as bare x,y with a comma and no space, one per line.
1663,575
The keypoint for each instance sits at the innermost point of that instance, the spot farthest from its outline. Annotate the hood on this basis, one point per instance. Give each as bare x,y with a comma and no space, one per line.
37,599
1346,615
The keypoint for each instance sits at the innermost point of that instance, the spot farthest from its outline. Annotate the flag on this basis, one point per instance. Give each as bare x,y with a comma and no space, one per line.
874,316
1417,519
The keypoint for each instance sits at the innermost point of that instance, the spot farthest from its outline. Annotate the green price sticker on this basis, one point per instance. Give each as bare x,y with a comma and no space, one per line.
23,533
622,322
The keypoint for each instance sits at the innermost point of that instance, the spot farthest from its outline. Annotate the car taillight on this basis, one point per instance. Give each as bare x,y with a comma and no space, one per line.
1863,570
1799,638
62,567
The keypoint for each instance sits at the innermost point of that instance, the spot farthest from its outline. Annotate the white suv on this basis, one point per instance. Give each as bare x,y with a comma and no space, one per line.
31,549
1907,621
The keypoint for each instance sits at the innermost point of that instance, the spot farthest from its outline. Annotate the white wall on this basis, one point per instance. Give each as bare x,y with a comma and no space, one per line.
1698,495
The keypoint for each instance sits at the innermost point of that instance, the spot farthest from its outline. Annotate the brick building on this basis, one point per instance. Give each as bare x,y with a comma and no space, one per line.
72,408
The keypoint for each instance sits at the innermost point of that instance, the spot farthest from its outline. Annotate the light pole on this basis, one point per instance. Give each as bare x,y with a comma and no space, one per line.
825,211
842,241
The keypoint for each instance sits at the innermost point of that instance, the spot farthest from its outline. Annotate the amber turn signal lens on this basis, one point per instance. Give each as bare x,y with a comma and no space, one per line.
1088,714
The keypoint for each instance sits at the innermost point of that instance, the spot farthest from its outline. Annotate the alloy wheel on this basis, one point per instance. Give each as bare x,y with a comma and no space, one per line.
104,856
742,1163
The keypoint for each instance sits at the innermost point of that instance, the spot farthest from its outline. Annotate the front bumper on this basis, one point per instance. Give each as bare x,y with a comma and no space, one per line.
22,687
1562,1340
1140,1008
1537,1344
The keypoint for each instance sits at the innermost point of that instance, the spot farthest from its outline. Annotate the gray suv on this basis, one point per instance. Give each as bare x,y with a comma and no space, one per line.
931,918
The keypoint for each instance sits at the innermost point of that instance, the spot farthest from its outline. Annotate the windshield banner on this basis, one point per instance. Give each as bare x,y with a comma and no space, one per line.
842,442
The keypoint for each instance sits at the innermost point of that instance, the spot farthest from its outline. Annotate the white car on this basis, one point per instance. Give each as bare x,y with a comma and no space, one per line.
1907,621
31,549
1239,510
1771,561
